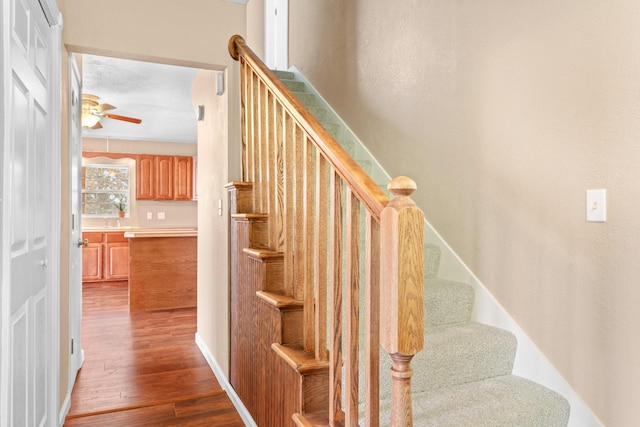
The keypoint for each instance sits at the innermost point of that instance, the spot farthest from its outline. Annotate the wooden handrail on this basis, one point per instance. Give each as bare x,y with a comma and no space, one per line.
312,193
361,184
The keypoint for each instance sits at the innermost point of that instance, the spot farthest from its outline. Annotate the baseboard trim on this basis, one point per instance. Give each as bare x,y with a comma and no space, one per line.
64,410
224,382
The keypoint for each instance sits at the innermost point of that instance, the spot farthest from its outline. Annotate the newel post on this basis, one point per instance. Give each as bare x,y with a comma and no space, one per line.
402,291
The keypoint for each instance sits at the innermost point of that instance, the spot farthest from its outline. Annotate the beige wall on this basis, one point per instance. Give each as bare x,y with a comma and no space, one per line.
212,176
505,113
189,34
65,213
255,26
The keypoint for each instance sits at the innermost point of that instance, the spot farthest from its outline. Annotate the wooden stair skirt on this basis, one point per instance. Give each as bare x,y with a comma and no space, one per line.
269,370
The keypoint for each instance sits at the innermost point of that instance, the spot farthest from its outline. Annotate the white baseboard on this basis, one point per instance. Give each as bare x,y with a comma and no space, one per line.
66,405
224,382
64,410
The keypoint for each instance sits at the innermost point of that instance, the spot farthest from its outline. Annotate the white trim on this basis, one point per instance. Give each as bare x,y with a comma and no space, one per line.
276,34
66,404
54,247
237,1
5,119
64,409
51,12
224,382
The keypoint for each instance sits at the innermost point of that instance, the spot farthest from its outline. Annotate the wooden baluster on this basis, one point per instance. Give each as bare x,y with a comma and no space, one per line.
251,141
279,170
299,214
402,290
255,143
309,246
321,258
289,174
372,323
335,321
244,117
263,151
271,145
352,302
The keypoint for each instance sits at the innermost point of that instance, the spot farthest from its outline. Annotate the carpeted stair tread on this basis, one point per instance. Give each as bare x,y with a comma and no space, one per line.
307,99
293,85
461,353
459,299
319,113
284,75
432,255
502,401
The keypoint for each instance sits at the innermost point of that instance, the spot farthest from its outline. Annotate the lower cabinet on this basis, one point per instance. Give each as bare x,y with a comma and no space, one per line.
106,257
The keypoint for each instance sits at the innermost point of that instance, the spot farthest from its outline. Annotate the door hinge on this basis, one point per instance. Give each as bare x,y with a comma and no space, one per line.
72,345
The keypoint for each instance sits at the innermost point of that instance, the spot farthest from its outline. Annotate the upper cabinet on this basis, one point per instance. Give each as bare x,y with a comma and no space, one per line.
164,177
145,177
183,178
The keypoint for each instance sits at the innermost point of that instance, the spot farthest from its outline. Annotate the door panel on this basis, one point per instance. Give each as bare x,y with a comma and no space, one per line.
76,253
18,405
29,208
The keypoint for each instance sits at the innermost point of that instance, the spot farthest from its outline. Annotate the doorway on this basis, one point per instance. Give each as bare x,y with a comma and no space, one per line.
160,96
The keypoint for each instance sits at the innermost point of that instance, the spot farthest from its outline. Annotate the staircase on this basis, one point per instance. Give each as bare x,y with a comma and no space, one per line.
463,376
280,322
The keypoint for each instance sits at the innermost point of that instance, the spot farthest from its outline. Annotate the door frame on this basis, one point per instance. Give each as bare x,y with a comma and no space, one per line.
76,353
276,34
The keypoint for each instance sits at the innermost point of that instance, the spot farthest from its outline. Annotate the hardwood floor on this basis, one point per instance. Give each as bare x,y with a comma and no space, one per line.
143,369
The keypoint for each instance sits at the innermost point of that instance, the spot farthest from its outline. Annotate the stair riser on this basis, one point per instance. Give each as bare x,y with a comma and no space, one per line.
305,392
269,274
447,302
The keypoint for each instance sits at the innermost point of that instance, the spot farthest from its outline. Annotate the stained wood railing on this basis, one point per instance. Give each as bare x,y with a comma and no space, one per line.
318,200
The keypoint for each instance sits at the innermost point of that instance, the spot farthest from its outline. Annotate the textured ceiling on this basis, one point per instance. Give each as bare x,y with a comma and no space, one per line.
159,95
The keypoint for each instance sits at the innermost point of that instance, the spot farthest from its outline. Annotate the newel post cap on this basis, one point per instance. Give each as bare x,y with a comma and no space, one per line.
402,186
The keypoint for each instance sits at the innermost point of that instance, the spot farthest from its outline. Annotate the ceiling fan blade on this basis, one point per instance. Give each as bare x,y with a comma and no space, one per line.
96,126
105,107
123,118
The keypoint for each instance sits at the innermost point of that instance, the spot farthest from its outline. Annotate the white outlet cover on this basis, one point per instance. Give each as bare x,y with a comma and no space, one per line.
596,205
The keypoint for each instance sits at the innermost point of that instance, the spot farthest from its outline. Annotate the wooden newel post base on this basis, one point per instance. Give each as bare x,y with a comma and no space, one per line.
401,373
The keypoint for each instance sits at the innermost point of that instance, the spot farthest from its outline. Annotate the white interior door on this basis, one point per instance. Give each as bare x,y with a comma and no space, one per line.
276,38
29,334
75,227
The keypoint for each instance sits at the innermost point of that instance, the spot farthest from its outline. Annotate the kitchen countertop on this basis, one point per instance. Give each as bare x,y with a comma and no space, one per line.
162,232
133,232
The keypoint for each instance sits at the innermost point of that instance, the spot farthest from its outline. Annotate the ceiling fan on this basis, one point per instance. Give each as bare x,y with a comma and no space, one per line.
92,112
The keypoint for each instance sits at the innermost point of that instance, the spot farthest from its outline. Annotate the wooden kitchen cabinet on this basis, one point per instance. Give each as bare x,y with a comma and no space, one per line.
116,257
92,258
164,177
164,181
145,177
106,258
183,178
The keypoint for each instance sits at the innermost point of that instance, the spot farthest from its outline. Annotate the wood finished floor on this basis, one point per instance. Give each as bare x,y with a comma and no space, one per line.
143,369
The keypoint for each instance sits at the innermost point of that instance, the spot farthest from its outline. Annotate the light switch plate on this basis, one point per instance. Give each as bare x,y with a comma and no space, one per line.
149,215
597,205
160,215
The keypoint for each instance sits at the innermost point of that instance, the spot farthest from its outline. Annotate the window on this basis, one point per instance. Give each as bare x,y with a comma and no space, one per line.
105,190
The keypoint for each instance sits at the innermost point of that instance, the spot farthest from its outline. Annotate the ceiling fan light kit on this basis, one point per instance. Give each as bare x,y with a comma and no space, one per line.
92,112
